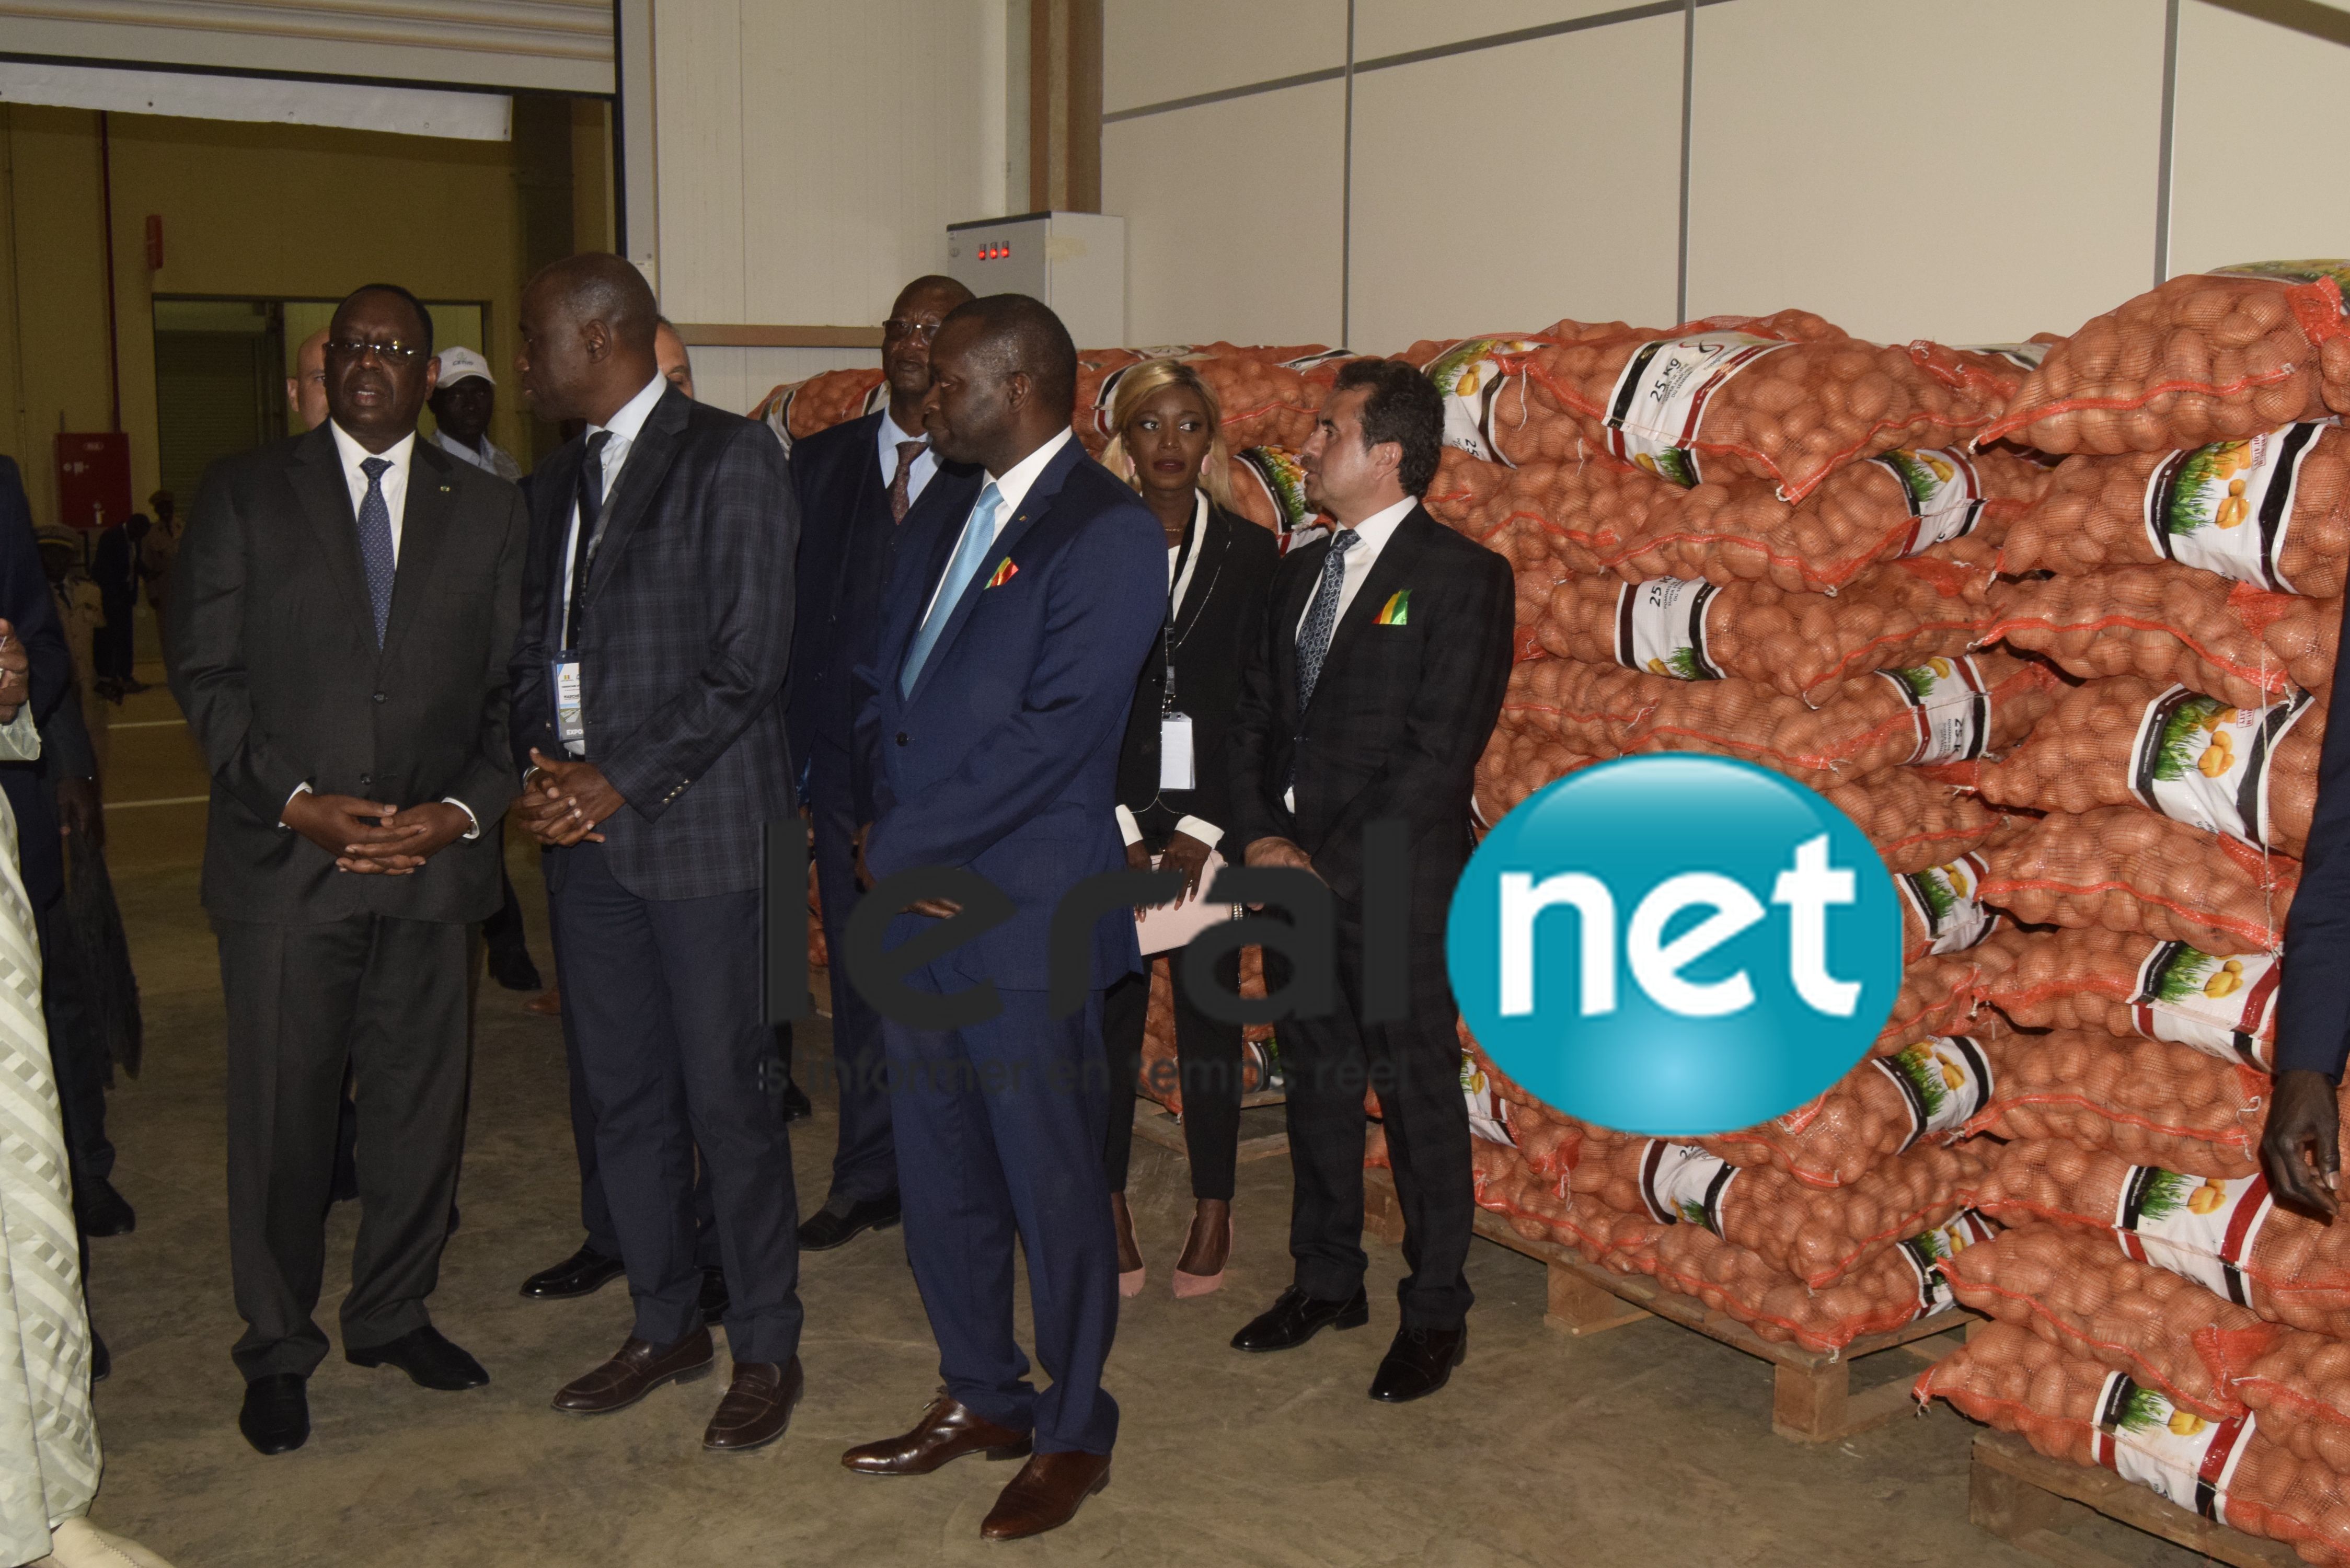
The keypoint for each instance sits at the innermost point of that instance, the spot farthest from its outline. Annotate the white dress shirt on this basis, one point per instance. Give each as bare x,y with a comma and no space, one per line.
1371,536
624,427
1013,487
399,454
490,457
395,499
925,461
1206,832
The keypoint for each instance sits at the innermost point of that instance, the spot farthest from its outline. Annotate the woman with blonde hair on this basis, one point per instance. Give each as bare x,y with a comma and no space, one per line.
1173,797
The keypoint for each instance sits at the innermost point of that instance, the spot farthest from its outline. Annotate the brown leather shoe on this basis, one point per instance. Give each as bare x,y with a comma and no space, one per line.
1045,1495
758,1407
639,1367
946,1431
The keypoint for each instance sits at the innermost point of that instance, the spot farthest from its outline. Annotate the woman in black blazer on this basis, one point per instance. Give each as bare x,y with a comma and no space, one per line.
1219,567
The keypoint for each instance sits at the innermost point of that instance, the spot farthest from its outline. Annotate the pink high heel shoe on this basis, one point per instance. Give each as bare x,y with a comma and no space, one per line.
1189,1285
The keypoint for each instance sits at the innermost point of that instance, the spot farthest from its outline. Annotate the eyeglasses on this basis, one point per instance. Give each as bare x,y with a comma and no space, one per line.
395,352
919,331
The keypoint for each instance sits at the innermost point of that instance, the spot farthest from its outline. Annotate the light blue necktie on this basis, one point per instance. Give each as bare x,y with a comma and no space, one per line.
978,539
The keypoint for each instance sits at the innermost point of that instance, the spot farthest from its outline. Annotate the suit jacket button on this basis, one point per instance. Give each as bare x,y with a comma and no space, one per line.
367,778
902,737
379,696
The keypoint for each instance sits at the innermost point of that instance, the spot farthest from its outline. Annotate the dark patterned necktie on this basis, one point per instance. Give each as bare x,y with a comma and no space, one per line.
1322,615
590,502
901,494
376,553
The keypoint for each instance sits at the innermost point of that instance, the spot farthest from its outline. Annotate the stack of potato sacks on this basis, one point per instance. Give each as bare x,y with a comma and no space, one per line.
1764,539
2155,1313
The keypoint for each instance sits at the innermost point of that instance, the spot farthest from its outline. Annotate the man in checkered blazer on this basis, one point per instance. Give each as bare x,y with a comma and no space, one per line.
649,715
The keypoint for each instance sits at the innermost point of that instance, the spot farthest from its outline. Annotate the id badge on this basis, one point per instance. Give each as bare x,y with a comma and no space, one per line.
570,728
1175,764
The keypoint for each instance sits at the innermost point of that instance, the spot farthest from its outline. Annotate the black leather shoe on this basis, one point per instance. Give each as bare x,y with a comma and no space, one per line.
101,1363
796,1107
828,1228
583,1274
715,1299
277,1415
1419,1362
1297,1317
511,967
100,1211
426,1355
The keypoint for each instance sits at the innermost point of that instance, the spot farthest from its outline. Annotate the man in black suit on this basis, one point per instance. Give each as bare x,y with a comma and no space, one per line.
1366,705
343,617
648,678
858,483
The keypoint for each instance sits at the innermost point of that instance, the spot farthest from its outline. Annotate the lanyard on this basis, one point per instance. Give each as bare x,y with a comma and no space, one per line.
1191,533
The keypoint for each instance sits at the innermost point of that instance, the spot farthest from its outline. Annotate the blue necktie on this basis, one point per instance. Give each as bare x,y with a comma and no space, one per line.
978,539
1322,615
375,543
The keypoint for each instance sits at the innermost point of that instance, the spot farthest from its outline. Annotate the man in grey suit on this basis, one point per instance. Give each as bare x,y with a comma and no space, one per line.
342,617
648,678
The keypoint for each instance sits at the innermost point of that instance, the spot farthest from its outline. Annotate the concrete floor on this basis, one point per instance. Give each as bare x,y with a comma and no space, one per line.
1646,1445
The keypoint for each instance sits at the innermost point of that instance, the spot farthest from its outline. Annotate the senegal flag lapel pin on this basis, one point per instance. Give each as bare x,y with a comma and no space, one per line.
1396,612
1004,573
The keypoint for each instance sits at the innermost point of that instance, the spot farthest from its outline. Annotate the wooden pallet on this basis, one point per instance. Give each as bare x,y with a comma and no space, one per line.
1152,1121
1812,1398
2030,1500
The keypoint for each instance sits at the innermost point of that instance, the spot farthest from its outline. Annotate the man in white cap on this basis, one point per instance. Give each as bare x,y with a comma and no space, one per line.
462,403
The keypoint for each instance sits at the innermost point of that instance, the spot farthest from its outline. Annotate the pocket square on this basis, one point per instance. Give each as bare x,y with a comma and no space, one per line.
1004,573
1396,612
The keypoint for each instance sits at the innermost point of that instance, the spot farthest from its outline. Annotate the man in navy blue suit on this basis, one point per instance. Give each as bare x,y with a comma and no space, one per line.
989,715
862,485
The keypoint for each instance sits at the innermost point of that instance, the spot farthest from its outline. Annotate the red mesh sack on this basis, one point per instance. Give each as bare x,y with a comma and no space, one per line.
1813,647
2272,510
2131,870
2248,773
1518,760
1897,504
1941,711
2232,641
1265,403
1772,397
2090,1301
797,409
2297,1383
1575,512
2070,1407
1914,822
1897,1286
2207,357
2154,1103
2224,1233
1937,997
2128,983
1818,1237
1925,1093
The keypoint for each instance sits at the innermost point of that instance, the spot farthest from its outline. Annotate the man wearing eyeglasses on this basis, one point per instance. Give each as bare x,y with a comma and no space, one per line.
345,608
858,484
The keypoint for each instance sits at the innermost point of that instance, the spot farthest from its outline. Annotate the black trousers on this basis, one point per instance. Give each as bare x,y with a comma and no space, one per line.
662,999
388,998
504,931
1208,1058
113,642
865,1161
76,1054
1415,1066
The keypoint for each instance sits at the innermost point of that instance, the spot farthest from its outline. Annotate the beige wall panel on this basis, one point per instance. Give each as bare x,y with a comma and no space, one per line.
811,153
698,98
1490,195
1232,217
2256,173
736,379
1397,27
1965,170
1154,50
